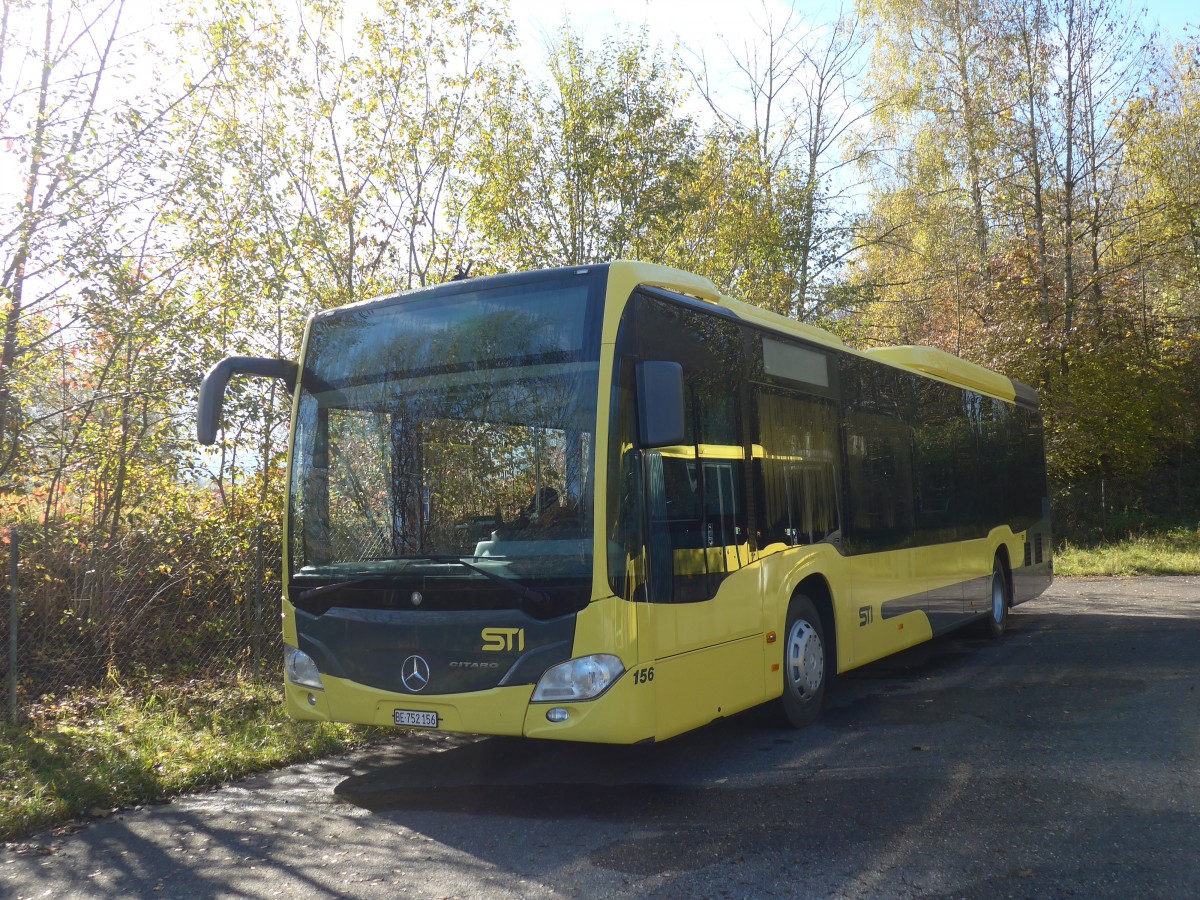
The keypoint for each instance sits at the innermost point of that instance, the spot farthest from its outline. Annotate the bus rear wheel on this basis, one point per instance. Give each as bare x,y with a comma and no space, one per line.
997,617
804,664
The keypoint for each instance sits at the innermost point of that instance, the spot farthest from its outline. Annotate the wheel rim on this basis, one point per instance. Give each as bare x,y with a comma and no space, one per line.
998,598
805,661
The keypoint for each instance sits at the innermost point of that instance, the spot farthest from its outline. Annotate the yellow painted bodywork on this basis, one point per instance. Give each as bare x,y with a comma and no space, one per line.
712,658
498,711
940,364
876,578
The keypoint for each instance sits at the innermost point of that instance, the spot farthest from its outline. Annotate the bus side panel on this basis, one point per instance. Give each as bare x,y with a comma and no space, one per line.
981,555
692,689
1031,571
624,714
1030,582
940,573
608,625
889,595
1032,562
707,655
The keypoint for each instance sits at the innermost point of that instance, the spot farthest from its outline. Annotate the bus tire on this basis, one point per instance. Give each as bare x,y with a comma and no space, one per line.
997,617
805,667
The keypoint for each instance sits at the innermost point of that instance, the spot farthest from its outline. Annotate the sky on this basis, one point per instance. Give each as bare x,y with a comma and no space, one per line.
700,25
711,28
702,28
697,24
714,28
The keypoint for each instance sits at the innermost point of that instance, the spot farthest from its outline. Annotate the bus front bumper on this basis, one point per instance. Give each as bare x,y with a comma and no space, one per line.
624,714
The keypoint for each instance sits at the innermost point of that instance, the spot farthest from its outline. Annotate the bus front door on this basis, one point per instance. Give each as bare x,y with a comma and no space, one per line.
703,622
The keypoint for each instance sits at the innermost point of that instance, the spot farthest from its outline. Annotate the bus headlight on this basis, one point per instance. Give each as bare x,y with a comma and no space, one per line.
301,669
578,679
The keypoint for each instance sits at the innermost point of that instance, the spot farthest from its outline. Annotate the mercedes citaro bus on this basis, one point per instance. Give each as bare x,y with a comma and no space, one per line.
609,503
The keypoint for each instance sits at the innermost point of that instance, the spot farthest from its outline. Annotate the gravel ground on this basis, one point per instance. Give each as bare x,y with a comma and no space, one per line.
1062,761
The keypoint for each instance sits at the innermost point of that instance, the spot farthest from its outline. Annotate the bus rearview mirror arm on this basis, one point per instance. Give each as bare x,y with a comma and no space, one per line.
660,403
212,389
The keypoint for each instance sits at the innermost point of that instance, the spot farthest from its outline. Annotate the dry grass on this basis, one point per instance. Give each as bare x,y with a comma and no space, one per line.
1175,552
90,753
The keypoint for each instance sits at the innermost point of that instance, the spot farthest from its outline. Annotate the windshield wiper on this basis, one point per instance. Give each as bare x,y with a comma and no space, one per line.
312,593
537,600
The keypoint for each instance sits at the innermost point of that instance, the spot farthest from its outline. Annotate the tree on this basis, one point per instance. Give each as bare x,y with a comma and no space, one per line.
777,196
52,124
1017,227
324,166
589,167
941,62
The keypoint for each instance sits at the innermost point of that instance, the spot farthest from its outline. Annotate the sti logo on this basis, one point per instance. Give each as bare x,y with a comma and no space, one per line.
500,639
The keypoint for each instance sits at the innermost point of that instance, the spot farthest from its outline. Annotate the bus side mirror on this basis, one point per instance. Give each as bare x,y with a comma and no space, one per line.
212,389
660,403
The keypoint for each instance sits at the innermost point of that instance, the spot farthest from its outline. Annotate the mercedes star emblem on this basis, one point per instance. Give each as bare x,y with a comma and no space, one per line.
414,674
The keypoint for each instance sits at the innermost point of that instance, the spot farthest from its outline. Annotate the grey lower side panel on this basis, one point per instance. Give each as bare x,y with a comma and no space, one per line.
946,607
1031,581
950,607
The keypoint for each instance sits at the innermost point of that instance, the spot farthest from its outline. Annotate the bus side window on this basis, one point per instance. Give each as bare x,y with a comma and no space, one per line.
721,505
683,525
936,438
797,476
880,484
626,559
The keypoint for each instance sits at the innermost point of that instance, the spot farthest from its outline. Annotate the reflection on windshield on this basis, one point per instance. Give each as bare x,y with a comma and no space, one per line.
459,425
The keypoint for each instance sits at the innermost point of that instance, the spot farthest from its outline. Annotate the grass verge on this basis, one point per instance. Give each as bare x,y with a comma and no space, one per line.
91,753
1174,552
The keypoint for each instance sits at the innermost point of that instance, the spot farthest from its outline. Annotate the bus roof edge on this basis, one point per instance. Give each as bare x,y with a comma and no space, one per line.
931,361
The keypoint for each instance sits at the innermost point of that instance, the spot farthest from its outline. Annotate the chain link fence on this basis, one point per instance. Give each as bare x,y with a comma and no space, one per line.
146,606
199,599
1105,508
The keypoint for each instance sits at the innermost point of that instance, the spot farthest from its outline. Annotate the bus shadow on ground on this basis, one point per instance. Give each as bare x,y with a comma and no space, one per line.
582,801
543,779
1054,672
547,779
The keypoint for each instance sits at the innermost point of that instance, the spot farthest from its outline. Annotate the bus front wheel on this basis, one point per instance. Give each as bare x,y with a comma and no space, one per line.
804,664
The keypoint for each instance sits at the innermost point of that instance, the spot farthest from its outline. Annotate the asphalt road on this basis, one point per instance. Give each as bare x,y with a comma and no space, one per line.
1063,761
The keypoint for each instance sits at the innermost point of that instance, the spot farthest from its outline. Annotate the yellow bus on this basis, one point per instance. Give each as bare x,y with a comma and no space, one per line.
611,504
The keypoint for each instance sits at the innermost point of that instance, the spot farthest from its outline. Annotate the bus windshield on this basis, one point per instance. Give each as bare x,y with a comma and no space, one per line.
453,424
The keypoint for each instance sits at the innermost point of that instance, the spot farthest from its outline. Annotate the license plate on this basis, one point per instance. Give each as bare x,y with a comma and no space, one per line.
411,718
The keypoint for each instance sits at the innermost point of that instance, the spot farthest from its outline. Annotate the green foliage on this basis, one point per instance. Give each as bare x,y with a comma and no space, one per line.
742,229
307,159
190,590
1027,226
588,167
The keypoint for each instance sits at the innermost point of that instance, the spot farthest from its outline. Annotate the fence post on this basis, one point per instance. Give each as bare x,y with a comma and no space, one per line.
256,639
14,618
